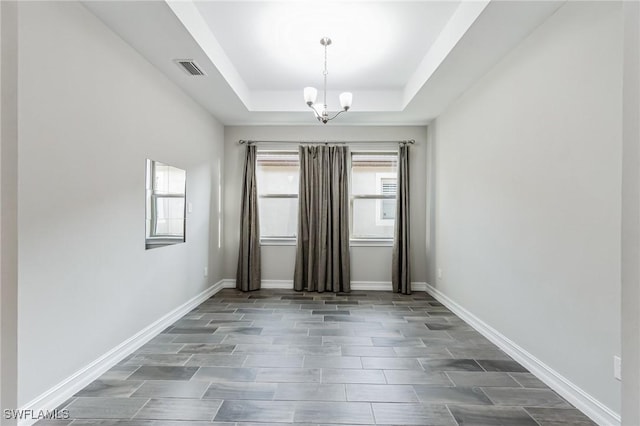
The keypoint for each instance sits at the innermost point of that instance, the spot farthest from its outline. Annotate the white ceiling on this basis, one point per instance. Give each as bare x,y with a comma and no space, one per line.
276,45
404,61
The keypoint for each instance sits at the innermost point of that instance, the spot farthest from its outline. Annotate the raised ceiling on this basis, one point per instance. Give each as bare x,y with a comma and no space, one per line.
404,61
276,46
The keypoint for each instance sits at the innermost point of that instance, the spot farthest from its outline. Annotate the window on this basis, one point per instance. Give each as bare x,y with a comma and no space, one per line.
386,208
277,174
165,204
373,194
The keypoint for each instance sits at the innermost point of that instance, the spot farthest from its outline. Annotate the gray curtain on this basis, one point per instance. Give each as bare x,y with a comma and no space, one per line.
248,274
400,268
322,257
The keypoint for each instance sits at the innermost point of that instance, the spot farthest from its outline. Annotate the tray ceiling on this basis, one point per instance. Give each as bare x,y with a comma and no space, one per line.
404,61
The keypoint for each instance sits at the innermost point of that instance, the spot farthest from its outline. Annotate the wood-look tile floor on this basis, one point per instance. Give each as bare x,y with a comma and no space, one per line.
283,357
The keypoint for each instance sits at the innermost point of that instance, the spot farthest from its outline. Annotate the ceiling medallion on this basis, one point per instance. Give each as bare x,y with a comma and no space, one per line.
310,93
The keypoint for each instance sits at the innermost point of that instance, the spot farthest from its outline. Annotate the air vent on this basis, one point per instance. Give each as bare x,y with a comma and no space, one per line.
190,66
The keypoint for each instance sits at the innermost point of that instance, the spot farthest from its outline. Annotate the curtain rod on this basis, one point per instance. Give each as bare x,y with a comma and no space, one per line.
249,142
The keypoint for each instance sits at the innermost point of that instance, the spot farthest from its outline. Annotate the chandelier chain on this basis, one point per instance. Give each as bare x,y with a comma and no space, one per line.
325,76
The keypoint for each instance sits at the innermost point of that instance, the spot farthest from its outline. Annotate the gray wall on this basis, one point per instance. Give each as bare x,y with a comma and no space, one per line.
631,218
528,194
91,109
9,207
367,263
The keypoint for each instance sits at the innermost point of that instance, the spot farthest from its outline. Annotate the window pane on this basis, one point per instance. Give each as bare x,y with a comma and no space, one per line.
373,173
169,227
278,217
169,212
168,179
177,178
388,210
277,172
373,218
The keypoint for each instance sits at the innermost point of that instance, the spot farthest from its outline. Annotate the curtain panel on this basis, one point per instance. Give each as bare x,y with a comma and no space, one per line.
248,273
322,255
400,267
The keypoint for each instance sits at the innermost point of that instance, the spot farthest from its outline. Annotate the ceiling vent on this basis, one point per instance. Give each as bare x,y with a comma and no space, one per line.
189,66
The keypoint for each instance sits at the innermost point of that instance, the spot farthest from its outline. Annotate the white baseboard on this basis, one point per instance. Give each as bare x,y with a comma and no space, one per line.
266,284
597,411
384,286
64,390
228,283
277,284
355,285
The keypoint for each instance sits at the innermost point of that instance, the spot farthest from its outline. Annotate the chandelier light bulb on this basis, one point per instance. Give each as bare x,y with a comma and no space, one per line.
310,95
345,100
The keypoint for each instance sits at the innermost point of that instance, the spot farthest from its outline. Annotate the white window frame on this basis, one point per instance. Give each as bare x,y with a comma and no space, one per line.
374,241
153,197
278,240
380,177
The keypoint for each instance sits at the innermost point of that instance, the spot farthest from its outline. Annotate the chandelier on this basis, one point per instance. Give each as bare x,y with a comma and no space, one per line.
310,93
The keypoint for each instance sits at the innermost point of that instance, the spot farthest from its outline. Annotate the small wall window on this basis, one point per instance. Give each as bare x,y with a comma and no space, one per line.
165,204
277,173
373,194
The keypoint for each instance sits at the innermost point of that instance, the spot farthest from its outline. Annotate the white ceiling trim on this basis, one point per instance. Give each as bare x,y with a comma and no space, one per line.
287,101
463,18
291,100
195,24
476,37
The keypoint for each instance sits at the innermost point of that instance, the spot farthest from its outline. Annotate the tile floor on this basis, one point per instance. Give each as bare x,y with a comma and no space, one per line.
282,357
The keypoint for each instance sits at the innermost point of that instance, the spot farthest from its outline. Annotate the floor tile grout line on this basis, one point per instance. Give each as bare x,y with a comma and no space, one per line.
449,352
217,410
140,409
510,373
206,389
373,414
451,414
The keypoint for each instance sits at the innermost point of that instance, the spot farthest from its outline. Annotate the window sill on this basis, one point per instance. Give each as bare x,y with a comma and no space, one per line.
371,242
278,241
368,242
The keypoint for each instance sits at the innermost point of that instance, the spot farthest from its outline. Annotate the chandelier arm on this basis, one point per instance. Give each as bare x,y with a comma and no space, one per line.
315,112
337,114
